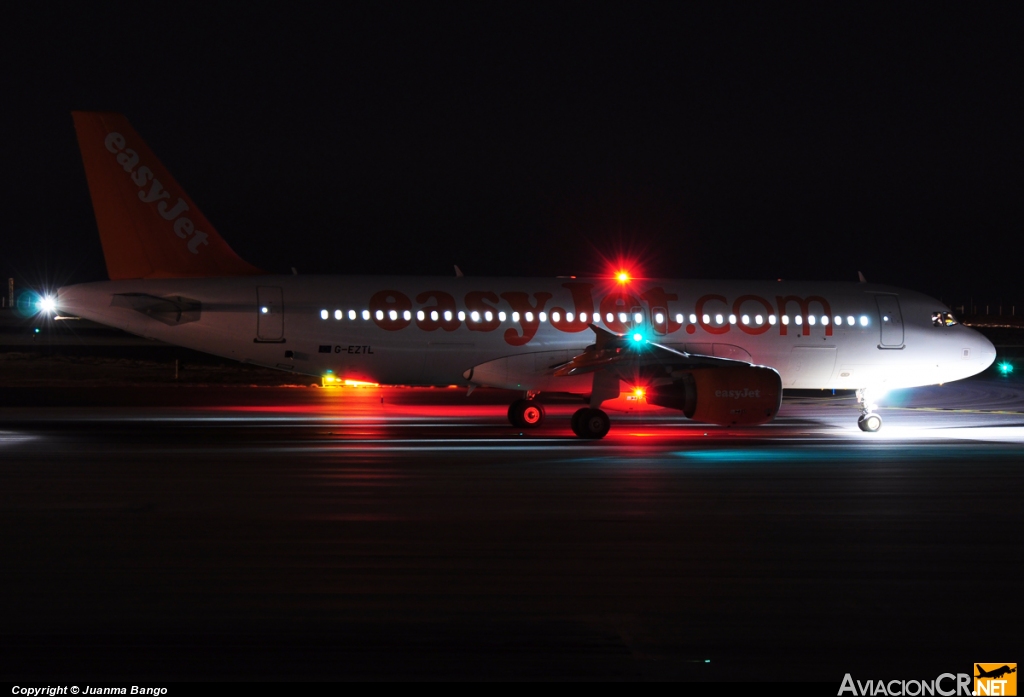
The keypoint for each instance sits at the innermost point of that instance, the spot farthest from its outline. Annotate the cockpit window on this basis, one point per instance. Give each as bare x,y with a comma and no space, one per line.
943,319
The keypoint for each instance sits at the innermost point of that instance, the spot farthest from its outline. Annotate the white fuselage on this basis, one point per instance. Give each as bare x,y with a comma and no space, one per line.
801,329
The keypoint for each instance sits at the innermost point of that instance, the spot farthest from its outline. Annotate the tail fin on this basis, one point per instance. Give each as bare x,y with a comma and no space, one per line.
148,225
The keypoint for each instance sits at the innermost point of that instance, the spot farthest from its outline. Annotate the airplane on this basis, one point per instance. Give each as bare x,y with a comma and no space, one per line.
719,352
995,673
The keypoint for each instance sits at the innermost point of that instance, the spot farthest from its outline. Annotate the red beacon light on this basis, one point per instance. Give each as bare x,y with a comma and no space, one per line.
622,276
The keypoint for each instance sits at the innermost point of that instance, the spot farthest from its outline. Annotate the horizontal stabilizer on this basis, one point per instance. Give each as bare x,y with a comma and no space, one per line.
171,311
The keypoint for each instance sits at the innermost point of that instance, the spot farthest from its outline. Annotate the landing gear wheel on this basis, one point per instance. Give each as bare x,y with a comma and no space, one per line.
575,422
590,423
525,413
869,422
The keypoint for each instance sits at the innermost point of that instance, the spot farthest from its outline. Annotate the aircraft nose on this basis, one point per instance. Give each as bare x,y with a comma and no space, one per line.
984,349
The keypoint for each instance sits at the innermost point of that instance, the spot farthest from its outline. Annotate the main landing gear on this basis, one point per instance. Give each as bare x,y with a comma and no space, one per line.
586,423
526,413
869,421
590,423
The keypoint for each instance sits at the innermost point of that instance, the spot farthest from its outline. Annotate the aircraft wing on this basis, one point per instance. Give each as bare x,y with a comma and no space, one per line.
634,356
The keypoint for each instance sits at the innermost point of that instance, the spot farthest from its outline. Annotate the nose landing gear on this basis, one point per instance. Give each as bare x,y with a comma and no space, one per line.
869,421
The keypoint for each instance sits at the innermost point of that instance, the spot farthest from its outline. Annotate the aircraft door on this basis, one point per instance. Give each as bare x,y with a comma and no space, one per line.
636,318
659,320
890,320
269,314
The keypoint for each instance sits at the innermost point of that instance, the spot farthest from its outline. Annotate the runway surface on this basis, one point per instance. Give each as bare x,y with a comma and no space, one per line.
266,533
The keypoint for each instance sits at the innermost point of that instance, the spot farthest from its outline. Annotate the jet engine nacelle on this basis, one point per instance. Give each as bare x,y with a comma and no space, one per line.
741,396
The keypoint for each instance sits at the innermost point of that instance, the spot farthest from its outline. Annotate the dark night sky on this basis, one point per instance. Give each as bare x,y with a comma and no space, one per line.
739,142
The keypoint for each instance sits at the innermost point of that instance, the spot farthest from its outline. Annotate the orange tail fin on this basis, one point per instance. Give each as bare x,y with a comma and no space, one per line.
149,227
